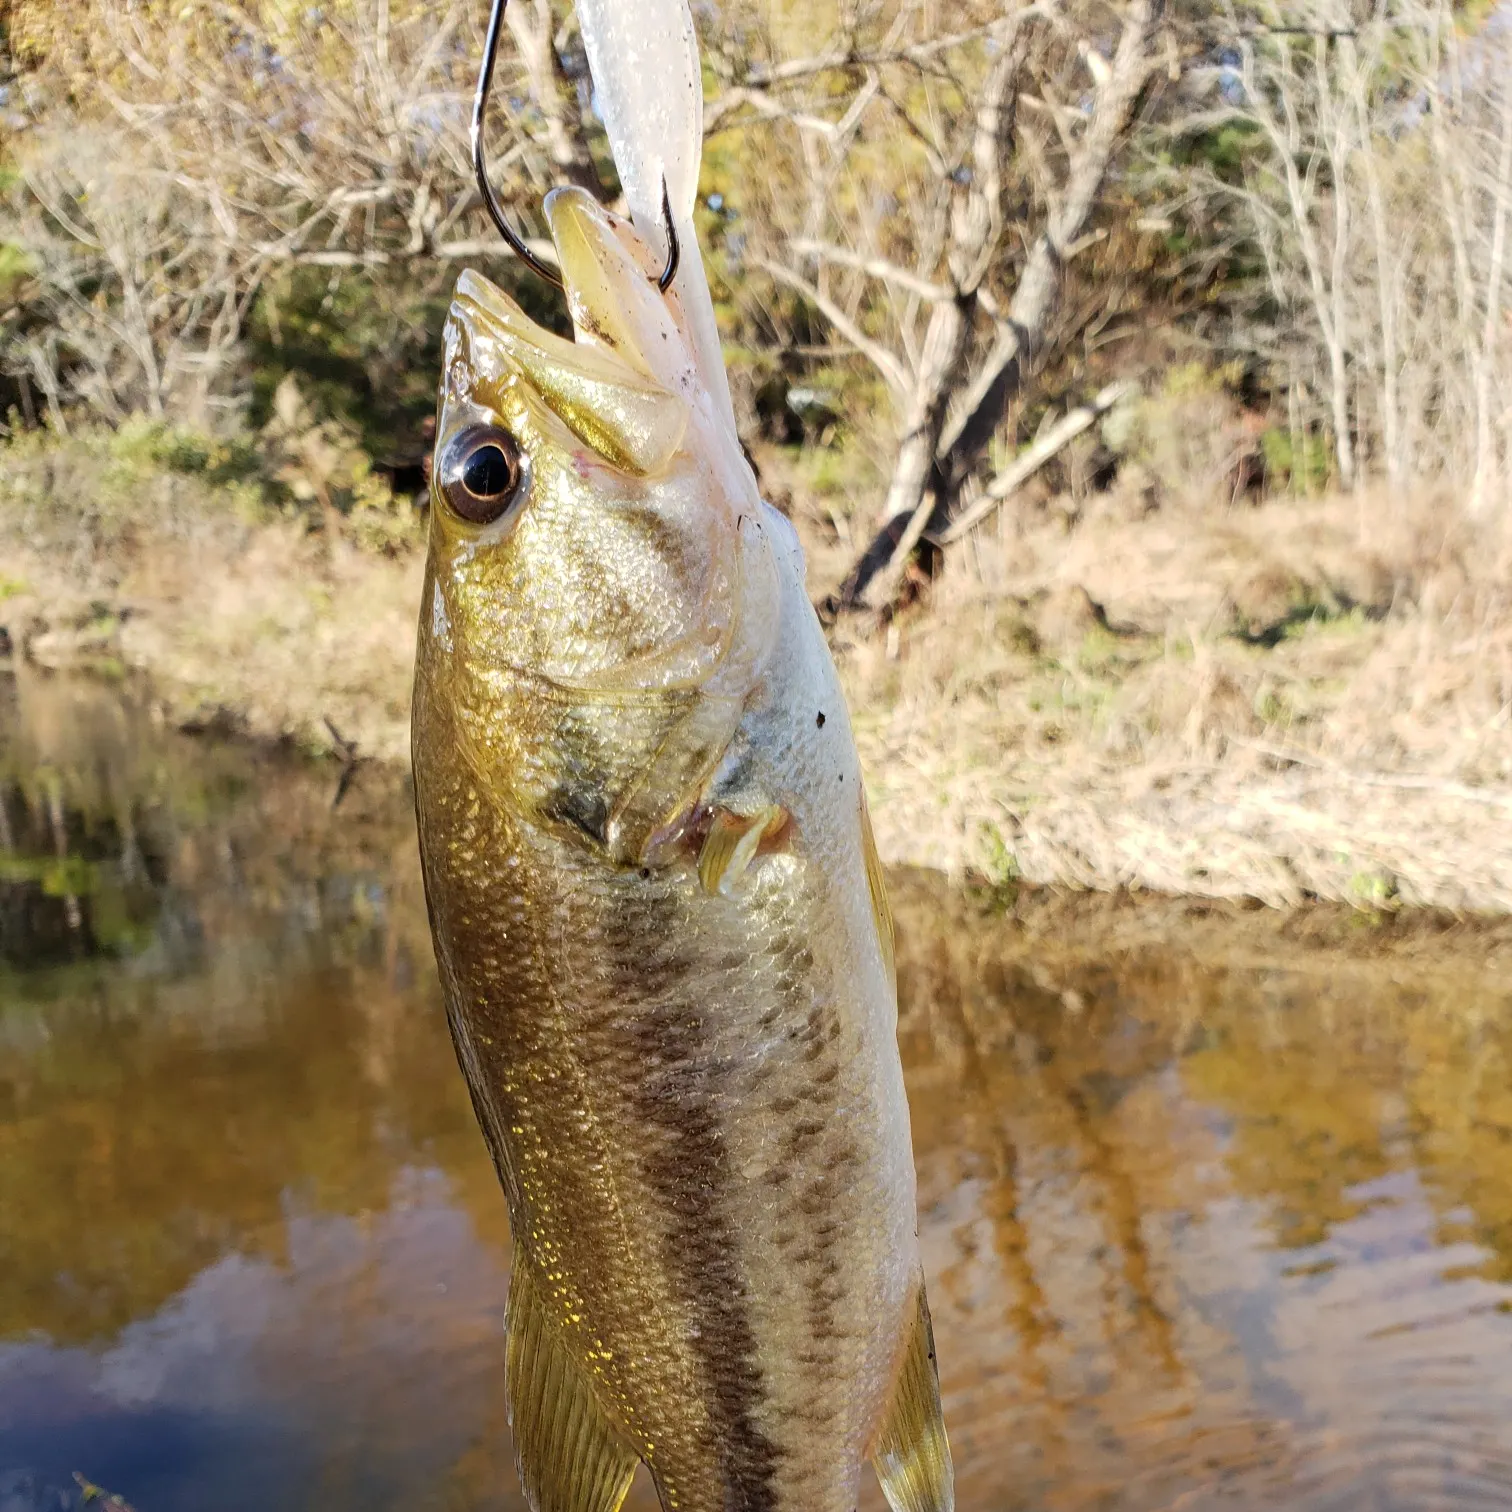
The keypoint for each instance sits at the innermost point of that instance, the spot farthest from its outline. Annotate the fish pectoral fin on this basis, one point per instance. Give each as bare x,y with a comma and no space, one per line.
733,842
669,786
569,1455
911,1454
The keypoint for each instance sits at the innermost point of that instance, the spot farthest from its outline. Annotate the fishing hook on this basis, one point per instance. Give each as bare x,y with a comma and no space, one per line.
515,241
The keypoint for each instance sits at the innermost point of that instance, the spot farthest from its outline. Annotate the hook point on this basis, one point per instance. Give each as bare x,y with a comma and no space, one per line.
512,238
674,250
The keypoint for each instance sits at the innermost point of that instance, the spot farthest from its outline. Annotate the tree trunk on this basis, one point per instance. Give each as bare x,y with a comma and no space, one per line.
1386,256
551,89
940,364
925,485
1485,441
1340,146
975,231
1338,403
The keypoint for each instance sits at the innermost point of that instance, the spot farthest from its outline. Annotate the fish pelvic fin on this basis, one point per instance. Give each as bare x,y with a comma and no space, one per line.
569,1455
882,914
912,1455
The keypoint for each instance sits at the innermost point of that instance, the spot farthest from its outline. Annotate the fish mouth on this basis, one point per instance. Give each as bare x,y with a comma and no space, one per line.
610,277
629,384
623,412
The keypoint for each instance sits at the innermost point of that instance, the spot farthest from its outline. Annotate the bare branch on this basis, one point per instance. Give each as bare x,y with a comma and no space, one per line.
873,267
982,404
1024,466
880,358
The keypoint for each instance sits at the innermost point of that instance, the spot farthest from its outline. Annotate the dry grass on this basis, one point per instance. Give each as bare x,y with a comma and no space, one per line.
1301,699
272,639
240,620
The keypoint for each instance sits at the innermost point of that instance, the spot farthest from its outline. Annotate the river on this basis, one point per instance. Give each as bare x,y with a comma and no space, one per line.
1217,1213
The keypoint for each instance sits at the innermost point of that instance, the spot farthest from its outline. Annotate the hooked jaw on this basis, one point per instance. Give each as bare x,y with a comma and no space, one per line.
609,277
627,417
635,563
629,384
615,548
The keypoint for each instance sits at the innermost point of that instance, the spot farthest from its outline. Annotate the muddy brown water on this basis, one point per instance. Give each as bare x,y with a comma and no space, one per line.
1217,1210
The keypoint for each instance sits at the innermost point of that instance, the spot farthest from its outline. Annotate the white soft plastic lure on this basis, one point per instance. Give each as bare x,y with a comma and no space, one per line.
658,913
649,90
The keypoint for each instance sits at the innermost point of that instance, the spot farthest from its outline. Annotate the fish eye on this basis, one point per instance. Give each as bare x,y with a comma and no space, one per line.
481,473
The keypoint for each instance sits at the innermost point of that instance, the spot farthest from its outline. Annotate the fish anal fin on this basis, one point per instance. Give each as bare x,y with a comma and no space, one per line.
569,1455
911,1454
733,841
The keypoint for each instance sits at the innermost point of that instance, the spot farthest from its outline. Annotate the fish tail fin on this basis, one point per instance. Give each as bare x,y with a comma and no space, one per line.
912,1455
569,1455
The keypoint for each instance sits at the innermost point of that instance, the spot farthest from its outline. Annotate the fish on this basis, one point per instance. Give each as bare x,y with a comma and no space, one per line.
659,917
661,927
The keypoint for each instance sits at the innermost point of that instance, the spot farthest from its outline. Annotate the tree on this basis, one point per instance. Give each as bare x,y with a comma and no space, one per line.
948,176
1377,188
174,158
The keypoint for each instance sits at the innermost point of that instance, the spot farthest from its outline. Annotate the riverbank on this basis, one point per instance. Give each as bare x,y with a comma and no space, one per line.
1297,700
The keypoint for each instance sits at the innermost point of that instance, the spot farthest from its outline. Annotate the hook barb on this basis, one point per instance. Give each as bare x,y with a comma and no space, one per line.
515,241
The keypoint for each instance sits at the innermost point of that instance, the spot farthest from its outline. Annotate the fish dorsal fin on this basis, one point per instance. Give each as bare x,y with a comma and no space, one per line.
912,1455
569,1456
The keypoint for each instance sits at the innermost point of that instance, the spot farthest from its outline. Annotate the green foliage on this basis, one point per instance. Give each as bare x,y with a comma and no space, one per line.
1273,708
1304,470
58,877
1183,433
324,463
143,443
1002,867
1374,894
95,487
89,1493
15,263
365,352
1226,149
107,485
365,349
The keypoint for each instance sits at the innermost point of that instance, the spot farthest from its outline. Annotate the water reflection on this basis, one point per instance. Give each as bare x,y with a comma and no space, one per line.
1211,1222
1214,1233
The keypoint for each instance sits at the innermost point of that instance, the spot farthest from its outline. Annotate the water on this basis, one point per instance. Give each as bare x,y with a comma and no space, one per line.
1212,1219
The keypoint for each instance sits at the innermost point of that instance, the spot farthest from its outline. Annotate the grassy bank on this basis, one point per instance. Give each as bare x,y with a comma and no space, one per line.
249,599
1300,698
